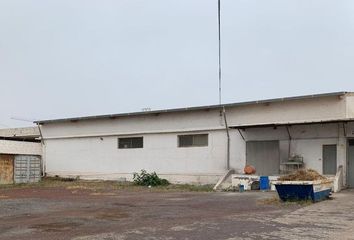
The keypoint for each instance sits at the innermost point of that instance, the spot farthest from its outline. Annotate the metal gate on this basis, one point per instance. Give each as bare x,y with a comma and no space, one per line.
27,169
264,156
6,169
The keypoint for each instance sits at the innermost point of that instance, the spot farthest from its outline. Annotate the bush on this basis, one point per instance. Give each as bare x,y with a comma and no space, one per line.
148,179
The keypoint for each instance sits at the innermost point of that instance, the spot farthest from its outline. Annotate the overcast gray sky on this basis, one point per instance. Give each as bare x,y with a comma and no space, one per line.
69,58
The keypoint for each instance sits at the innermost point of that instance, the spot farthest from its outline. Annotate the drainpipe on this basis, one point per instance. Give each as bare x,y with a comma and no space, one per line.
40,133
290,139
228,139
42,142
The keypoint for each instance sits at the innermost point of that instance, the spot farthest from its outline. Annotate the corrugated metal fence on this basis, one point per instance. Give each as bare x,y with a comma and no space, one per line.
27,169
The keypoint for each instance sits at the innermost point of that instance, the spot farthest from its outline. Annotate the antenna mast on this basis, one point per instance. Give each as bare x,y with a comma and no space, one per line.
219,35
23,119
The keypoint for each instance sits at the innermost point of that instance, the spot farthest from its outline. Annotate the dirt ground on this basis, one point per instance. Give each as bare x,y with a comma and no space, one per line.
109,211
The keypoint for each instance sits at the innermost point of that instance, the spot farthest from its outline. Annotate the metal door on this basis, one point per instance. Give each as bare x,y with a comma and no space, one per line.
351,163
6,169
264,156
27,169
329,159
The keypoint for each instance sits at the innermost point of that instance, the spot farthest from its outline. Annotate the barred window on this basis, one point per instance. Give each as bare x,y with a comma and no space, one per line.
131,142
195,140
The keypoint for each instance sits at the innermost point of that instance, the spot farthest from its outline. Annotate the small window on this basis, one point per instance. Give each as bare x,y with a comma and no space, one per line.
133,142
197,140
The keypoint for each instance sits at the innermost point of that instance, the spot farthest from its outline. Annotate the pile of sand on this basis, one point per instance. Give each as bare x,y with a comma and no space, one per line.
303,175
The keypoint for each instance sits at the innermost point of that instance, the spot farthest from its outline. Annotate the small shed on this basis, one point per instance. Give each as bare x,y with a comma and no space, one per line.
20,156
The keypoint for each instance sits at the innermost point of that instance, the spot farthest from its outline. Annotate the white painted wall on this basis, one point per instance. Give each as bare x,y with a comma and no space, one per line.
145,124
311,150
101,158
315,109
20,147
237,151
93,156
75,148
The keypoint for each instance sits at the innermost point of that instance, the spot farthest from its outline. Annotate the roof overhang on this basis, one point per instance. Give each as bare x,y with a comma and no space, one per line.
199,108
284,124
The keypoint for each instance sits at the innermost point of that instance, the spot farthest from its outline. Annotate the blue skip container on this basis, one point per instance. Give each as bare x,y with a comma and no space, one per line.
306,190
264,183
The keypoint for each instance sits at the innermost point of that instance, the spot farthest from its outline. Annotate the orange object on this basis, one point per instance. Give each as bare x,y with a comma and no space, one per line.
249,169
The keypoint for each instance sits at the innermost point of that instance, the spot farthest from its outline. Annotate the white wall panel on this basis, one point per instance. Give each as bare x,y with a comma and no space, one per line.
160,154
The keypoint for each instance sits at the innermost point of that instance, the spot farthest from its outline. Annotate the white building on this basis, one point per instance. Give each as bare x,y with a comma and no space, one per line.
20,155
192,144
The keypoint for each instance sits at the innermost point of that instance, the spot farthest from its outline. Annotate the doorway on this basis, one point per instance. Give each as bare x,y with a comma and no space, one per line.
329,157
264,156
350,181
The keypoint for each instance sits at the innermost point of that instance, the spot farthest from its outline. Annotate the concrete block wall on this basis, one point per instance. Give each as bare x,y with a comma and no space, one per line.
25,132
20,147
350,105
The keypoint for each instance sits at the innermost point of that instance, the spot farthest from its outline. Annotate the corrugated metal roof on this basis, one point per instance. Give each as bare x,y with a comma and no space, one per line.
191,108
